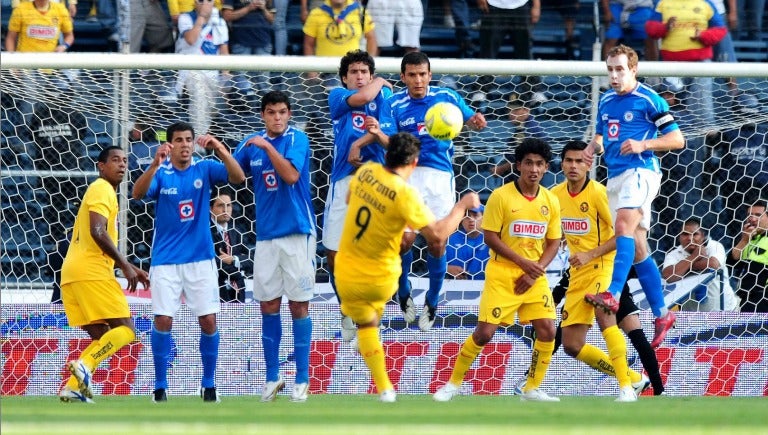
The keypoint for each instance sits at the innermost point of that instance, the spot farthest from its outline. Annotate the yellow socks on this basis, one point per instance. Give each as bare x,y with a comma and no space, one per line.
617,349
106,346
540,359
467,354
597,359
373,353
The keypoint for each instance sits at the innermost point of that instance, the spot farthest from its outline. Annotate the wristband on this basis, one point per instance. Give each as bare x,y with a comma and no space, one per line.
67,46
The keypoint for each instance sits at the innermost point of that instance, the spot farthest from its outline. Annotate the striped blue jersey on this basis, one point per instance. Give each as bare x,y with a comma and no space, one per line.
182,211
281,209
349,125
640,114
409,113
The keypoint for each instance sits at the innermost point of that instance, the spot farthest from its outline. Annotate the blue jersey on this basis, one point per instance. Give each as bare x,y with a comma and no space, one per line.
182,211
349,125
409,113
472,254
639,115
281,209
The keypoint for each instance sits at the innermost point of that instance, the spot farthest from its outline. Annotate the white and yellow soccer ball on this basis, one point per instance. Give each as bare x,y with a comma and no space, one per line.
444,121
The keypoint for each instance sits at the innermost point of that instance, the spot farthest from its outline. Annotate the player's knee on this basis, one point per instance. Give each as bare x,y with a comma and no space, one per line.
436,249
572,349
546,331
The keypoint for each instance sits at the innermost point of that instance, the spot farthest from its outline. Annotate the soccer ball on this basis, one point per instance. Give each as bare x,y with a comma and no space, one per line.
444,121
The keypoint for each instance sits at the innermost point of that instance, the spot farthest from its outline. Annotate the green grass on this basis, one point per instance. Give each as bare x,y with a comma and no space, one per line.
361,414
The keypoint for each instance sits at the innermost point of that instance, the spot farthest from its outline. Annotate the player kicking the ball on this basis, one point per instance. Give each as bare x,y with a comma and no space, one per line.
381,204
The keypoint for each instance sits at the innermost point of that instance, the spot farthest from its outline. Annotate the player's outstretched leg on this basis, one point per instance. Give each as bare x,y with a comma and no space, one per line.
625,254
404,289
272,332
373,353
437,268
302,335
650,279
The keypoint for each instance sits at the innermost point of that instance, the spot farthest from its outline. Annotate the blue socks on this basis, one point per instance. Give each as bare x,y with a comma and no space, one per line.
650,279
209,353
271,333
161,348
302,335
437,268
404,287
625,255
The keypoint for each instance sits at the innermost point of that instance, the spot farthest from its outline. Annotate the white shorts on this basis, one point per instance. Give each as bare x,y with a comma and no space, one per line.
197,282
437,189
285,267
634,188
335,212
408,15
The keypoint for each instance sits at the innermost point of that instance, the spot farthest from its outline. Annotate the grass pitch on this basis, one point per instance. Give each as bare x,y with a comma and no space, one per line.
363,414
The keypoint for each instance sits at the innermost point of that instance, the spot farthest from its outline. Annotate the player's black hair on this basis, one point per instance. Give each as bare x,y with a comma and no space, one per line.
403,149
532,145
573,145
415,58
178,126
104,154
274,97
356,56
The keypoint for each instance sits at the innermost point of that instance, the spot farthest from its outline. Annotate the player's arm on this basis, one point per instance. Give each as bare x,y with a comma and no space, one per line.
581,258
309,45
234,171
10,41
439,231
551,246
672,140
595,146
142,184
530,267
283,166
367,93
101,237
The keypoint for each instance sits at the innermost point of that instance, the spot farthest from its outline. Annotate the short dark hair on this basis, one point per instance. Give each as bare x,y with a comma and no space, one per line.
274,97
760,202
356,56
402,150
221,190
573,145
178,126
531,145
104,154
415,58
692,221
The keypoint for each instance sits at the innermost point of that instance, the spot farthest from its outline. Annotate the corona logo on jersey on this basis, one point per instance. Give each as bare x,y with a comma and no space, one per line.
575,226
535,230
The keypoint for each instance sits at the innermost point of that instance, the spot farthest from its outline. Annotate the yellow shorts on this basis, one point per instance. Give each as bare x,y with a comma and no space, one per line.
364,302
499,303
576,311
89,302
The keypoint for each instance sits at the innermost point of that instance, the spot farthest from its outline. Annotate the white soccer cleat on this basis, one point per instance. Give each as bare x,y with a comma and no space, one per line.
388,396
627,394
641,385
408,309
271,388
537,395
83,376
348,329
299,393
355,345
68,395
427,318
446,392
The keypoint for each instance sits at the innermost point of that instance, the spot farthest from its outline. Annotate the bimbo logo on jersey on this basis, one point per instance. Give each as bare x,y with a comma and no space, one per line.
531,229
41,32
186,210
575,226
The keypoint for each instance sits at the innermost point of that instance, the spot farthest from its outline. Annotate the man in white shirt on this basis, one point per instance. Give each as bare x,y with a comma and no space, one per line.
696,254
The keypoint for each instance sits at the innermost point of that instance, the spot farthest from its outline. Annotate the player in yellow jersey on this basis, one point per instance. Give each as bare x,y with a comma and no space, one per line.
92,297
522,229
36,26
381,205
588,229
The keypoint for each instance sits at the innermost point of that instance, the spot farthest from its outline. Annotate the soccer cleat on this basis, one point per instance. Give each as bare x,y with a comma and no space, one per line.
519,385
427,318
641,385
348,329
537,395
209,395
627,394
271,388
661,326
68,395
604,300
299,393
159,395
408,309
388,396
83,376
446,392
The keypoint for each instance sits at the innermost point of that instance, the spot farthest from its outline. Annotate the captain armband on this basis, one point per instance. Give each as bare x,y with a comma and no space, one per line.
664,120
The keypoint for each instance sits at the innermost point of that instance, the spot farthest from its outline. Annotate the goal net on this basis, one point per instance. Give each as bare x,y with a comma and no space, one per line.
58,112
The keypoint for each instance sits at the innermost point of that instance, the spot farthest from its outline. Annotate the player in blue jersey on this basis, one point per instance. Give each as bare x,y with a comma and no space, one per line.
433,177
360,130
629,119
278,160
182,251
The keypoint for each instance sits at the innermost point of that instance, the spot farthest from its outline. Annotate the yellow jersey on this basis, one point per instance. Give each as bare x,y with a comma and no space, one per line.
587,221
85,261
39,31
336,35
381,205
523,223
